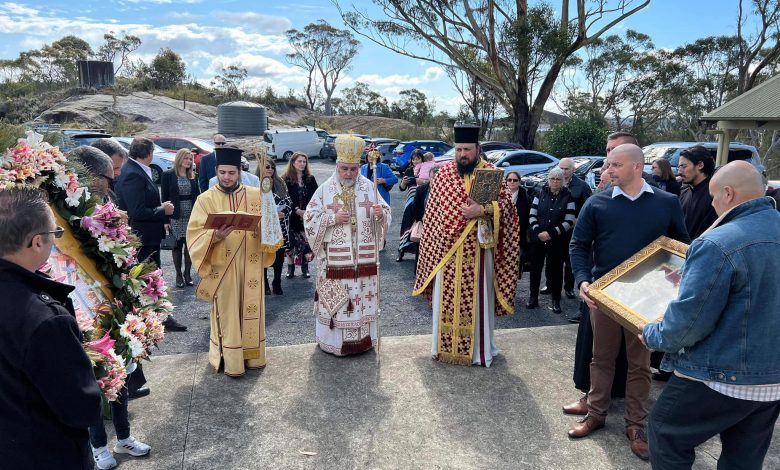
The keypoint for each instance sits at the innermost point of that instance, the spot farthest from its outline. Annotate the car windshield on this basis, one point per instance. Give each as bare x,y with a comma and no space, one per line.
207,146
654,153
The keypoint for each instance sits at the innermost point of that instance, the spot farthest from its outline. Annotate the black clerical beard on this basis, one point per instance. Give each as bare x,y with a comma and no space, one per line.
229,190
468,168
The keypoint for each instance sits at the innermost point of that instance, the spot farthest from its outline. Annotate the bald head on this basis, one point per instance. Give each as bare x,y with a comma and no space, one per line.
630,151
733,184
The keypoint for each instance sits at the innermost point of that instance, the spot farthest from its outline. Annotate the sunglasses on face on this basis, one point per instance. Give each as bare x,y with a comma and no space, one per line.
58,233
220,143
512,180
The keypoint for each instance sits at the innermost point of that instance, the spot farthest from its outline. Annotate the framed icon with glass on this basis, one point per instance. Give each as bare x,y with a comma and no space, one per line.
639,290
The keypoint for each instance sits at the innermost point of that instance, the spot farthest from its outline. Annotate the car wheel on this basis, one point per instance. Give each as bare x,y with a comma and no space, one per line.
156,174
287,155
322,153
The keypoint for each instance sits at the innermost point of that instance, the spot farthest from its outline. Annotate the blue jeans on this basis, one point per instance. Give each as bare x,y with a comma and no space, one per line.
119,415
688,413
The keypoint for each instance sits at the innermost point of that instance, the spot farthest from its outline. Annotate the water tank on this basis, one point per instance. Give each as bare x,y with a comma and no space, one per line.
241,118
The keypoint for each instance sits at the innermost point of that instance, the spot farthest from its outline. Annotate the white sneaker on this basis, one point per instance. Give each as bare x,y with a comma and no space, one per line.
103,458
132,446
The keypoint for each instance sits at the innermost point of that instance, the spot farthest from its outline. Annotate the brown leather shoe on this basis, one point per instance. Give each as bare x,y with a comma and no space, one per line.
585,427
638,442
579,407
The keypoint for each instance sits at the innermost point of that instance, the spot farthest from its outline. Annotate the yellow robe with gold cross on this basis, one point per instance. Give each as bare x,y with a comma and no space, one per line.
231,273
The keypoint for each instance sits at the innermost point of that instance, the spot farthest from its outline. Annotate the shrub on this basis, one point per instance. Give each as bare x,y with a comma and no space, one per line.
578,136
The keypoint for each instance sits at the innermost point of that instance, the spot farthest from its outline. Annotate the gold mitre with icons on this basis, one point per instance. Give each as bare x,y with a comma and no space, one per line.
349,148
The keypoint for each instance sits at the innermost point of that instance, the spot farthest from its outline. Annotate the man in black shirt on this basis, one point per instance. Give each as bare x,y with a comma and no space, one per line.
696,168
48,393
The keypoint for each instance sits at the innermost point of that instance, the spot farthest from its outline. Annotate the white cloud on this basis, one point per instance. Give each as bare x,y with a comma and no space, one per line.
433,73
255,65
17,9
256,21
388,82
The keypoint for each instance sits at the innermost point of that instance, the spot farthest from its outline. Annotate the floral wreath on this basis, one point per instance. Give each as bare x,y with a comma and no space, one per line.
125,329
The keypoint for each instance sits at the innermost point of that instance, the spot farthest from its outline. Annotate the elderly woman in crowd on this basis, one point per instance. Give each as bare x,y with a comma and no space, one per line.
301,186
266,168
523,206
409,184
551,217
662,174
180,186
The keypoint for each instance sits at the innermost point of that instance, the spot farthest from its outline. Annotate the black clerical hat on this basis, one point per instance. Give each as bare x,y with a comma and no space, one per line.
466,134
228,156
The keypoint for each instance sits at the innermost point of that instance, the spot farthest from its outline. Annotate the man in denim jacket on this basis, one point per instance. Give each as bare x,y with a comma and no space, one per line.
720,335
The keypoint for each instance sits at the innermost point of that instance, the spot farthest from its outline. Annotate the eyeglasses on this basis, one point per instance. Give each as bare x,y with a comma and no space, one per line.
220,143
58,233
512,180
555,179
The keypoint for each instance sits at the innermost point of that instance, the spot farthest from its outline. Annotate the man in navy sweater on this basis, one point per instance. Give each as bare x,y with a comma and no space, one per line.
615,224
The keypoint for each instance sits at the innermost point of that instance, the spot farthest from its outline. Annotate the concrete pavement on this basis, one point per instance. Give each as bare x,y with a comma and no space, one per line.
406,412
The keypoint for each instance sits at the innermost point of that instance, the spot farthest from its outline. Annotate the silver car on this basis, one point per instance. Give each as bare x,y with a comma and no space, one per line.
521,161
162,159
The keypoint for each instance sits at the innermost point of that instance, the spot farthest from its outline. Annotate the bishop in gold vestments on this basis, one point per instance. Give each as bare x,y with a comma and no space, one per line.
231,268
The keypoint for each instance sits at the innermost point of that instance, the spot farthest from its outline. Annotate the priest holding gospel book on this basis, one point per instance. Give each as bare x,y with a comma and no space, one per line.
468,255
230,261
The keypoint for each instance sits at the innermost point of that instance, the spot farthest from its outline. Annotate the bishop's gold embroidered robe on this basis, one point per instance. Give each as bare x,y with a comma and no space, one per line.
231,273
347,262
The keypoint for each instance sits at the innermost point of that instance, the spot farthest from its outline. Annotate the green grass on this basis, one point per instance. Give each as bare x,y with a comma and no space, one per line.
9,133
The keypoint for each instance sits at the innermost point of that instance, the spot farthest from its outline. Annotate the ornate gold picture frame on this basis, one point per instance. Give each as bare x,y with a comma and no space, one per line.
639,290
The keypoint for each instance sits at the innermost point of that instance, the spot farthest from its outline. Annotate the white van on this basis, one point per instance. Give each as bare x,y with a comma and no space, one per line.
282,143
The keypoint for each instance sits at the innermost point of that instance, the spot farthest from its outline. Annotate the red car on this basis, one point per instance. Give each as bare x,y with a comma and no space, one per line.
174,144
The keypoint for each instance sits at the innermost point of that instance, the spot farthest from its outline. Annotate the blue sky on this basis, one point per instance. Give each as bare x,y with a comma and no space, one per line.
213,34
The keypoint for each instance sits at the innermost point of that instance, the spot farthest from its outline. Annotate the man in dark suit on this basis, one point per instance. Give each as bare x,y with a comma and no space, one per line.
48,393
208,164
139,196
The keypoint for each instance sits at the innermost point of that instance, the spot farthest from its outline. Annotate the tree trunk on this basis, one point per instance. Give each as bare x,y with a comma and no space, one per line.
522,133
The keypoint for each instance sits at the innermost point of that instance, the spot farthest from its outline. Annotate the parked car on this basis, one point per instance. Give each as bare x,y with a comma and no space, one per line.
162,159
403,152
522,161
68,139
329,147
582,166
174,144
671,151
385,147
488,146
491,145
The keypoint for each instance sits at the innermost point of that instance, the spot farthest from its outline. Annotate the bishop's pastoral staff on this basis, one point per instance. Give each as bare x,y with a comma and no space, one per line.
468,258
345,224
230,264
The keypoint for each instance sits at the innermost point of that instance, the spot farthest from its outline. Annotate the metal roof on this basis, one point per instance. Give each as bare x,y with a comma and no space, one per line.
761,103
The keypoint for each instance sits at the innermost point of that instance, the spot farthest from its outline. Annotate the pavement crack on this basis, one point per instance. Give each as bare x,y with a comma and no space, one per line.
189,410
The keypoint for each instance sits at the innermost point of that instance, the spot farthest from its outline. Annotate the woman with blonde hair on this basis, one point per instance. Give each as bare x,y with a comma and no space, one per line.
179,186
301,186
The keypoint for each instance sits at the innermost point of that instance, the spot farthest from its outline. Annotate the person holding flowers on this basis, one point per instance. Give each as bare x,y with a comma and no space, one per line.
48,393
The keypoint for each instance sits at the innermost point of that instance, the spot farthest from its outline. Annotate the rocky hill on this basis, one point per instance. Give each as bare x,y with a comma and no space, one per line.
166,116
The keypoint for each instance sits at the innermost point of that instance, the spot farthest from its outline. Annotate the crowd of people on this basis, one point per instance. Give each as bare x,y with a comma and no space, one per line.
469,257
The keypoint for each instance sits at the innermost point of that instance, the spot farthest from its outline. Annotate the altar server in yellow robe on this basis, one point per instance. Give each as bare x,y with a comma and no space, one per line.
230,265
